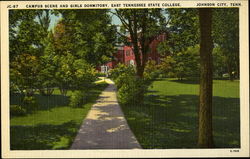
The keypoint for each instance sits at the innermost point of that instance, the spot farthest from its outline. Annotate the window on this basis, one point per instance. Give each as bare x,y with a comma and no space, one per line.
104,69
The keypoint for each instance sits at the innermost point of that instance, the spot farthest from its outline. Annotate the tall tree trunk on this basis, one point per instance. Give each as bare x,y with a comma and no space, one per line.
205,136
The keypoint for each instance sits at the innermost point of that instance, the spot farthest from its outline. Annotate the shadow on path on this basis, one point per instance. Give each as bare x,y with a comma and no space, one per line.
105,126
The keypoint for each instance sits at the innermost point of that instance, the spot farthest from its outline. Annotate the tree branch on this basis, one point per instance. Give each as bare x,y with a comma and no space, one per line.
121,18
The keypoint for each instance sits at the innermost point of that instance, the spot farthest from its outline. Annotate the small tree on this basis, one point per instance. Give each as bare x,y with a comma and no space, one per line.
23,72
46,77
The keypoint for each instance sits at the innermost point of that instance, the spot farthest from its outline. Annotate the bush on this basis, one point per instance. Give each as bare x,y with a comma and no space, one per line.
17,110
78,98
29,103
132,91
100,74
120,74
130,88
151,72
183,64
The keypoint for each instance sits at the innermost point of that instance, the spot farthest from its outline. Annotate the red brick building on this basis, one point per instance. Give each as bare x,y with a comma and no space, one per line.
125,55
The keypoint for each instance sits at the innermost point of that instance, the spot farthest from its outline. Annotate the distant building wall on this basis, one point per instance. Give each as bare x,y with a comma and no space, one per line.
125,54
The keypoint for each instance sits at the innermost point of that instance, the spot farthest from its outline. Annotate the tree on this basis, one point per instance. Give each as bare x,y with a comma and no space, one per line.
19,35
205,136
96,35
187,28
226,35
167,66
219,62
183,30
46,77
26,41
65,51
72,69
184,64
143,26
24,69
181,44
139,28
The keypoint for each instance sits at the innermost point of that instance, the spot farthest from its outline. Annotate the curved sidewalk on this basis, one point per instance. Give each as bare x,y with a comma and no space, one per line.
105,126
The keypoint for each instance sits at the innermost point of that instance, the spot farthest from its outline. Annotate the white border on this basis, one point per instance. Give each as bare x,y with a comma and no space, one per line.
244,94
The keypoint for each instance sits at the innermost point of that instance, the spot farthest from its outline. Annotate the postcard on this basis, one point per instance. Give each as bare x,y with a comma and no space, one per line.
124,79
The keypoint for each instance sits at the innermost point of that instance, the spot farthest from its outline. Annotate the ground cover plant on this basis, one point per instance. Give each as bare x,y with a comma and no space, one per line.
53,124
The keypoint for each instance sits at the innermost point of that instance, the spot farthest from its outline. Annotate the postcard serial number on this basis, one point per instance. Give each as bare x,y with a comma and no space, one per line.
12,6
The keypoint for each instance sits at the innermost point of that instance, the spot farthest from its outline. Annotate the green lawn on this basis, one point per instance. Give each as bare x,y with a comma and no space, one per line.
53,125
168,118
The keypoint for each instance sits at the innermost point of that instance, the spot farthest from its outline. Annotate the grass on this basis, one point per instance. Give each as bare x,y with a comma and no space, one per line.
53,125
168,118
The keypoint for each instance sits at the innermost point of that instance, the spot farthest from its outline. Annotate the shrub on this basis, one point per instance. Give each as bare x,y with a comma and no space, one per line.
17,110
130,88
121,73
84,75
78,98
182,64
132,91
29,103
100,74
151,72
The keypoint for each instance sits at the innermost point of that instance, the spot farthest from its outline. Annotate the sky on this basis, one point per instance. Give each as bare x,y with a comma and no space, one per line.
54,19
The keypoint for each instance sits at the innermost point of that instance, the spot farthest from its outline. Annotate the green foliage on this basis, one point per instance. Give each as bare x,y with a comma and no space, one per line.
100,74
94,35
84,74
219,62
164,48
130,87
120,72
183,64
72,71
28,33
167,66
151,72
24,70
130,92
43,60
25,33
17,110
78,98
226,36
143,26
183,29
29,103
46,77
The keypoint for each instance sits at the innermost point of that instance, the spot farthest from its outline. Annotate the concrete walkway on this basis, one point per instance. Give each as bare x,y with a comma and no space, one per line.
105,126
